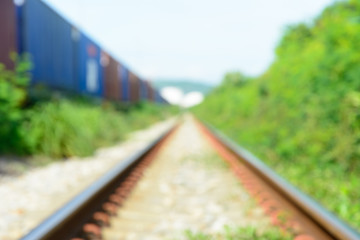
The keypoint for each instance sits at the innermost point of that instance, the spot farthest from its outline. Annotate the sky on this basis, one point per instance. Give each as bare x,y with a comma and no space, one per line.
189,39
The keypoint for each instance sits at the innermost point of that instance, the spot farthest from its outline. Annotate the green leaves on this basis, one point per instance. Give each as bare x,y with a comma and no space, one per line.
13,87
57,127
68,128
234,79
302,116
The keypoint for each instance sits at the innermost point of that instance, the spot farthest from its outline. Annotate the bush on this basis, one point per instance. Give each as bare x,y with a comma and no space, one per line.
302,116
64,128
58,126
13,96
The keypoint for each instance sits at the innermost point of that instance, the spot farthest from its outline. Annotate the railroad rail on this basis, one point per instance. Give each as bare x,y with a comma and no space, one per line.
290,209
307,217
83,216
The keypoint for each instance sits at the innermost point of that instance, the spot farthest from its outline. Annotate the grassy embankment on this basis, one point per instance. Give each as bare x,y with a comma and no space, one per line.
302,116
60,127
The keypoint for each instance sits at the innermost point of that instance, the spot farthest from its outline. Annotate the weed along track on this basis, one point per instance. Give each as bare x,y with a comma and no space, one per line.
180,188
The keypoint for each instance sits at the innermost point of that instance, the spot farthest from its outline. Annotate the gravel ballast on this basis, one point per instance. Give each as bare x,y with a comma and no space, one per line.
187,187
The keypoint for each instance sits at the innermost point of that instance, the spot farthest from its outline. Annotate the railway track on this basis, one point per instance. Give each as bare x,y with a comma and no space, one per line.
157,194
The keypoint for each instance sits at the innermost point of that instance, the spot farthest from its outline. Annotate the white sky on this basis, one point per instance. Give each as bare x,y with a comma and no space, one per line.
189,39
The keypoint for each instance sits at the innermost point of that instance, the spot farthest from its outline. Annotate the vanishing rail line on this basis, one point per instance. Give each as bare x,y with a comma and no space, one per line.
290,209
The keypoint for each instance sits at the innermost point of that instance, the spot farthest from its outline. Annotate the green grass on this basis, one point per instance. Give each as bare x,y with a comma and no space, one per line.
39,121
61,125
243,233
65,128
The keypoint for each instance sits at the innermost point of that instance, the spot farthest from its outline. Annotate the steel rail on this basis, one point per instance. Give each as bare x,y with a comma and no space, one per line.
330,223
68,220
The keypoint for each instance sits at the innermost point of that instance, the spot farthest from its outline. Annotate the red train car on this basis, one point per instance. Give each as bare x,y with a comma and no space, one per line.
112,85
134,87
151,91
8,32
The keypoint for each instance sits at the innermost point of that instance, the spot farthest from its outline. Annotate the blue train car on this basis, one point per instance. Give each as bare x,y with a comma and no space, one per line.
88,64
63,57
125,84
159,98
47,37
143,90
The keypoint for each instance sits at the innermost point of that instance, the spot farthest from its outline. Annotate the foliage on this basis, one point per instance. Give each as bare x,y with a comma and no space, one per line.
243,233
66,128
302,116
234,79
57,126
13,96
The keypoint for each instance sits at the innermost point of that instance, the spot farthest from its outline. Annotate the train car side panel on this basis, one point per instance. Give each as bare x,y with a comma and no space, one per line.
143,90
134,87
8,31
48,40
90,71
125,83
159,98
112,87
150,91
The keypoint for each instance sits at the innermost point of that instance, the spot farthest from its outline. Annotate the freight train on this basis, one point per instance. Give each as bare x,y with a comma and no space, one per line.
64,57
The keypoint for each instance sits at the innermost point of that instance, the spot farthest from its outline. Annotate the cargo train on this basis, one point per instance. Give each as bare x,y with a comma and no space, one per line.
64,57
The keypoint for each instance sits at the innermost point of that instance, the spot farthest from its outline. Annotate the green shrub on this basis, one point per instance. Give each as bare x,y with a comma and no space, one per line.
66,128
302,116
62,124
13,96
